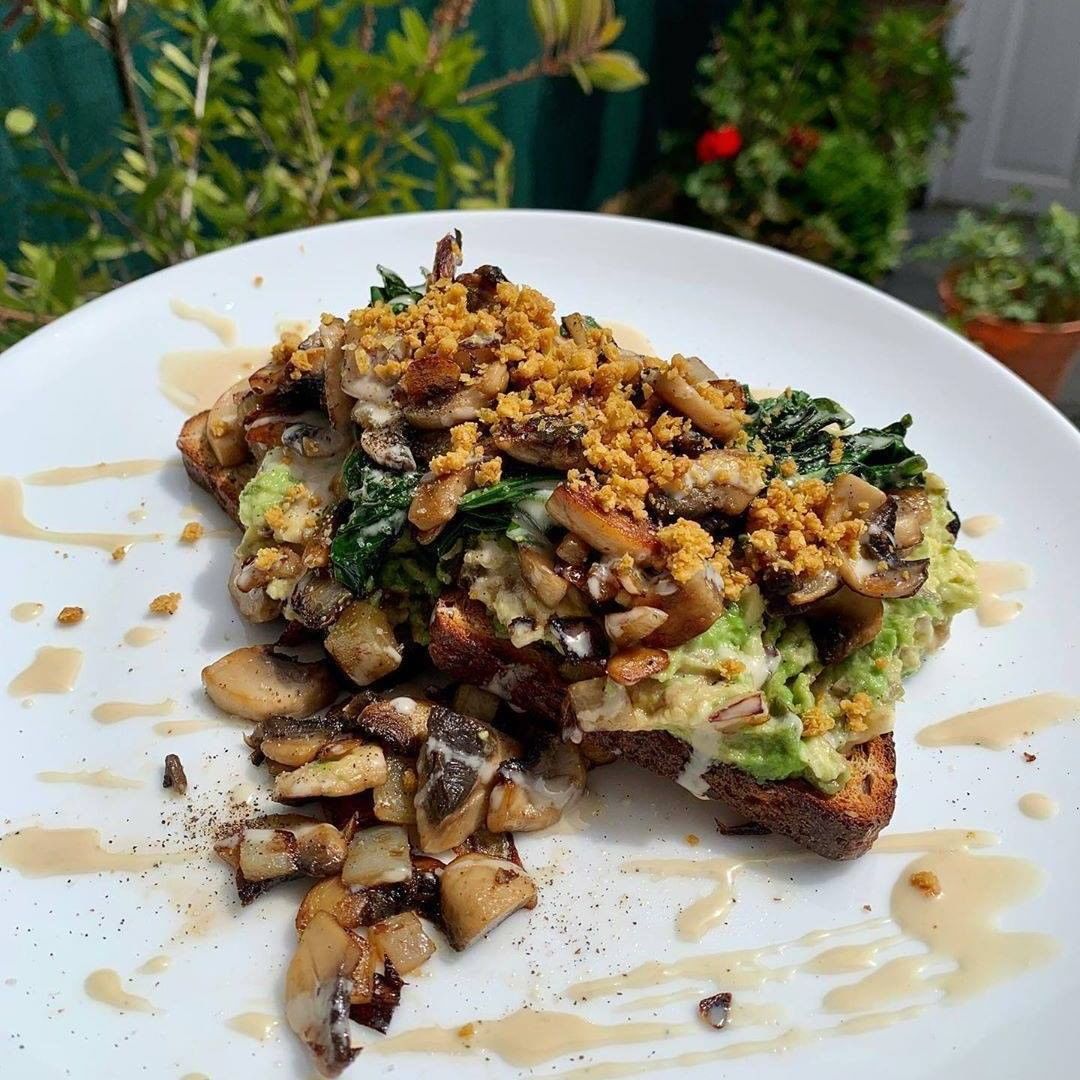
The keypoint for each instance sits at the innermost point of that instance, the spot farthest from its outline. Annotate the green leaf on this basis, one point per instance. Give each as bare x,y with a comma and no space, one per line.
582,76
614,71
307,65
19,121
543,20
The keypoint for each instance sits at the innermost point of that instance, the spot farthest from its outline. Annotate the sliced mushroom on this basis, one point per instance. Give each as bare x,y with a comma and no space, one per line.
343,767
317,440
387,446
552,442
474,701
913,514
317,600
675,391
718,481
436,500
749,711
478,893
399,724
252,602
842,623
394,798
538,570
817,588
401,940
257,683
463,405
457,767
363,643
532,795
691,608
572,550
291,741
631,665
885,579
428,377
625,628
268,853
447,260
578,639
318,986
224,429
852,497
609,532
378,856
333,897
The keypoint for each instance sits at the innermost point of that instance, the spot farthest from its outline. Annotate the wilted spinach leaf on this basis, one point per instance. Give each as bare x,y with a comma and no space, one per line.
380,501
394,291
793,425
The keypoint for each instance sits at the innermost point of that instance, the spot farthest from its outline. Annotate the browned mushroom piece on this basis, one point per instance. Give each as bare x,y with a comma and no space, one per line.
816,588
532,794
401,940
465,404
318,987
399,724
478,893
447,257
631,665
387,445
248,592
394,798
362,643
538,570
378,856
256,682
436,500
842,623
224,429
456,769
691,608
611,532
175,777
717,481
690,401
913,514
317,600
334,897
343,767
625,628
292,741
552,442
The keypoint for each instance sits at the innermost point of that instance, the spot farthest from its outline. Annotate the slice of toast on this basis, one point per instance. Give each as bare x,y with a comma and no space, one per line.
840,826
223,482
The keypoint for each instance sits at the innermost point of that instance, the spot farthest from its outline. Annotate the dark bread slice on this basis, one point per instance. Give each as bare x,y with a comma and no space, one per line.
465,646
840,826
224,482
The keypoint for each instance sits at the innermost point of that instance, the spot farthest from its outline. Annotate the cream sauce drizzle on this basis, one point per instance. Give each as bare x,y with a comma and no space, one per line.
27,611
112,712
914,843
104,985
13,523
42,852
81,474
219,325
1038,806
194,1076
629,337
101,778
155,965
138,636
254,1025
193,379
999,726
140,513
529,1037
980,525
52,671
183,727
995,578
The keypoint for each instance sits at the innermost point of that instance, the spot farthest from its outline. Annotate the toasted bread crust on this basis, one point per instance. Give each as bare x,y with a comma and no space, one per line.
840,826
223,482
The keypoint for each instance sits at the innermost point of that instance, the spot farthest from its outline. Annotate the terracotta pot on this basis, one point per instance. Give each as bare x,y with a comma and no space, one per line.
1040,353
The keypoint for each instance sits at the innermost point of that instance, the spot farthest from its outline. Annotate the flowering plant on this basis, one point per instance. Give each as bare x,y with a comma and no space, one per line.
819,123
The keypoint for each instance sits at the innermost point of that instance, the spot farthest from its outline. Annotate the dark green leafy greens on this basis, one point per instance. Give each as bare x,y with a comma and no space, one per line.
795,425
394,291
380,501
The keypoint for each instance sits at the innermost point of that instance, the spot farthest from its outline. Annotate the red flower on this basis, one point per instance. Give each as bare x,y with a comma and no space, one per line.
722,142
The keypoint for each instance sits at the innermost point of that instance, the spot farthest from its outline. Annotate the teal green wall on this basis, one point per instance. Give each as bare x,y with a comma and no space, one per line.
571,151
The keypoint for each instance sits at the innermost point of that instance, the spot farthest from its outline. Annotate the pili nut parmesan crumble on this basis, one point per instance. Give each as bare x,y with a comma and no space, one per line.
191,533
119,553
165,604
68,616
926,881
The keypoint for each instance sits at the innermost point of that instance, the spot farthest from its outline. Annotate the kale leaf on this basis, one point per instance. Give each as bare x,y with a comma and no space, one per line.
394,291
380,501
795,425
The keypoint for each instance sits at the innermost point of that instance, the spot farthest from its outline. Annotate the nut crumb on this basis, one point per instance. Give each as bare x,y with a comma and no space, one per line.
257,281
926,881
192,532
1028,757
165,604
466,1031
68,616
692,839
120,552
867,907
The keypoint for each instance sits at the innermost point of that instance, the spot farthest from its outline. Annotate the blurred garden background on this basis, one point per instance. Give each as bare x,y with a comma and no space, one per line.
137,133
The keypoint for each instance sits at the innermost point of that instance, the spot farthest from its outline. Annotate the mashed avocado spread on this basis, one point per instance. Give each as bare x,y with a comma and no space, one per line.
266,489
743,653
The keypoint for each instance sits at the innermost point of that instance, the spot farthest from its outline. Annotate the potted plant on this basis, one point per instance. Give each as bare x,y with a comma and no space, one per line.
819,118
1013,287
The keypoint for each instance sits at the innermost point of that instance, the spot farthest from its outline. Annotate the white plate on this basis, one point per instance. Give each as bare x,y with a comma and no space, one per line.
86,389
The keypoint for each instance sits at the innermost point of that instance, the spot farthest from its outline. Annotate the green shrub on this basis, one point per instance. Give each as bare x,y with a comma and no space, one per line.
820,122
